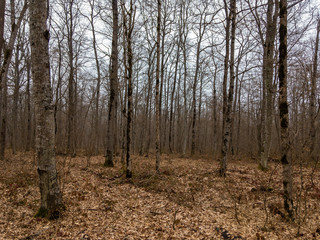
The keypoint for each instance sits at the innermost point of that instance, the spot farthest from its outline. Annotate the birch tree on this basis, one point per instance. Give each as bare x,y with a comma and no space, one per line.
128,25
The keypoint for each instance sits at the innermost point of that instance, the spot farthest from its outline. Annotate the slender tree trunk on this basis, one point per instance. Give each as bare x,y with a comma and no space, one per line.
28,102
202,27
147,119
225,71
112,111
185,108
162,34
129,115
283,110
194,106
215,117
185,32
239,116
15,102
200,126
157,102
234,108
4,78
97,129
124,108
51,199
57,95
227,130
267,75
312,134
128,24
172,95
2,17
71,88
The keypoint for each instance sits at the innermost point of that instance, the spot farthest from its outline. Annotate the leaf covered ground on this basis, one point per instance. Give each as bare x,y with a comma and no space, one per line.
188,200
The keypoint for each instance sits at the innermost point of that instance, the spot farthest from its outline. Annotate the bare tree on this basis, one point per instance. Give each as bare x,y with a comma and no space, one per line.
4,77
51,199
283,110
225,69
96,124
267,75
71,118
312,133
228,120
157,102
128,25
204,22
112,111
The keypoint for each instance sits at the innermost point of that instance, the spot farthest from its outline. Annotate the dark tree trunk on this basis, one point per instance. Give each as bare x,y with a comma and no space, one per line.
71,118
112,111
283,110
128,24
157,102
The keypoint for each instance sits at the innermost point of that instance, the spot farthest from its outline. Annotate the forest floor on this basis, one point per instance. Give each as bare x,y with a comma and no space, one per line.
188,200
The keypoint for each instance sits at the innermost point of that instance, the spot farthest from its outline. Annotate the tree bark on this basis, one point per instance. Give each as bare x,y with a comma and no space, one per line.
283,110
228,120
28,102
51,199
14,140
112,111
225,71
157,102
2,18
173,92
267,75
312,133
128,24
71,144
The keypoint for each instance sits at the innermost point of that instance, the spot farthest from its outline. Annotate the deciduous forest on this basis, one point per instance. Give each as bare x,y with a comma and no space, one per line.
159,119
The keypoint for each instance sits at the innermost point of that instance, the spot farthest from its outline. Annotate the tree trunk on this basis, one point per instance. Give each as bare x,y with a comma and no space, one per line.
14,139
4,78
172,94
227,130
267,75
312,133
2,17
128,24
112,111
71,88
157,102
28,102
51,199
96,127
215,118
283,110
225,71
